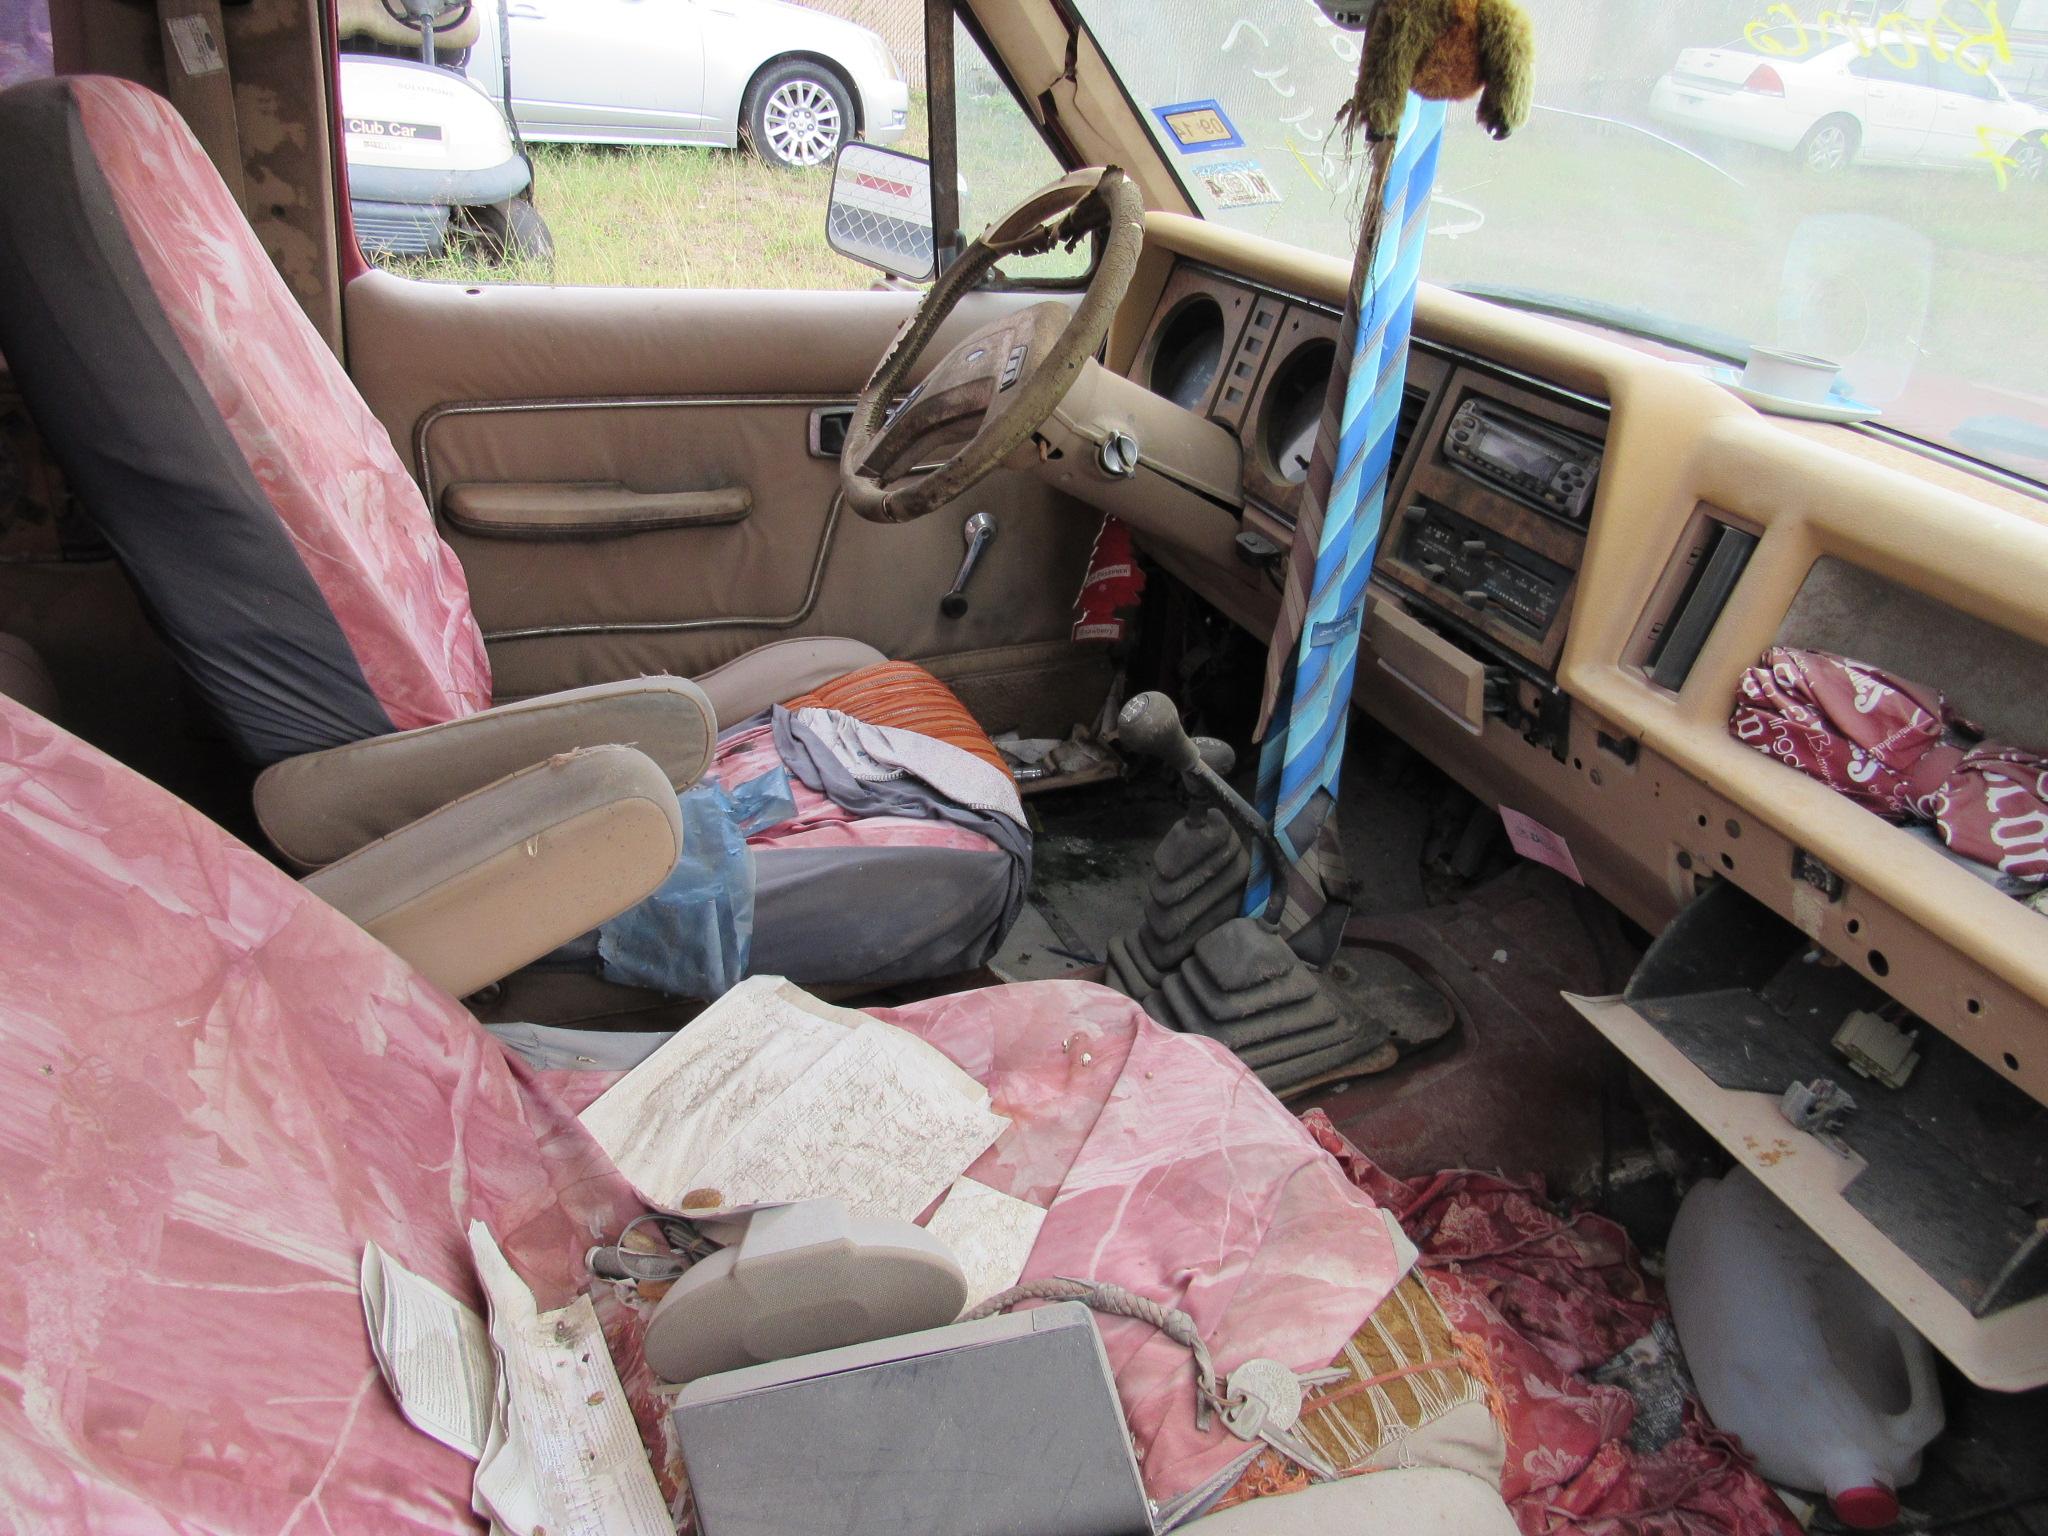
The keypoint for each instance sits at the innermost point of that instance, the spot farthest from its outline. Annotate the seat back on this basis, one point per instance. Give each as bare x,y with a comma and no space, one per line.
260,509
214,1090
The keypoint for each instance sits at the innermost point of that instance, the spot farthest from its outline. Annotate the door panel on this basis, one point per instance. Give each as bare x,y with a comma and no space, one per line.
666,392
1898,108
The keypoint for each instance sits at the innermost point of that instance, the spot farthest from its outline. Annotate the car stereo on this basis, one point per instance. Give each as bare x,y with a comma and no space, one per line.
1523,456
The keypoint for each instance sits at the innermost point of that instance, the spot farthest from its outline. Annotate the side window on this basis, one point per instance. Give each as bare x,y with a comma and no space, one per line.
1876,66
1949,76
670,143
653,143
1003,158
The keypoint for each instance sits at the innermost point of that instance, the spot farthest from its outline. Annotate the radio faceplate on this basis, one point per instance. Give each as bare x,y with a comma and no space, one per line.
1527,458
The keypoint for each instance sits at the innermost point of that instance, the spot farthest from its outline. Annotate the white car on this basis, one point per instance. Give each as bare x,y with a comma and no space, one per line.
791,82
1834,101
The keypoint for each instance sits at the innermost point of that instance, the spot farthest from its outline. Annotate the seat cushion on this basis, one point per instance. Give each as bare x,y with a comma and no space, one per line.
779,671
211,436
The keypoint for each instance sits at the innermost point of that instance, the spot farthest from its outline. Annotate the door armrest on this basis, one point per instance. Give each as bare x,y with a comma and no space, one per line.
475,889
322,806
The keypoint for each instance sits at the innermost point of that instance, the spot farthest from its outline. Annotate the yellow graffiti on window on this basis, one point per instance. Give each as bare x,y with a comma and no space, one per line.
1967,33
2001,162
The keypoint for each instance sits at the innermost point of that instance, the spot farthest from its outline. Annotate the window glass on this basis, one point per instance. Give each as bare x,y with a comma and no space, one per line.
1708,174
1003,159
24,40
1876,66
672,143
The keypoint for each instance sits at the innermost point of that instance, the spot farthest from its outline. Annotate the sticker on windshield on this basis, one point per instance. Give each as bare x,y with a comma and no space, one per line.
1196,126
1237,184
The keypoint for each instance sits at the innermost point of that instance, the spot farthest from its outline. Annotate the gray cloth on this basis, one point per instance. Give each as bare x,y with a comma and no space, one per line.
809,759
551,1048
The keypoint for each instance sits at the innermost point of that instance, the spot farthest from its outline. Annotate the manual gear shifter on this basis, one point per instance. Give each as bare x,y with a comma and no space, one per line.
1150,725
1191,961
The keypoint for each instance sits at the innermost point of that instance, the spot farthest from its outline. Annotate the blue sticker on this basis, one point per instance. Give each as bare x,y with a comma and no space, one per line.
1196,126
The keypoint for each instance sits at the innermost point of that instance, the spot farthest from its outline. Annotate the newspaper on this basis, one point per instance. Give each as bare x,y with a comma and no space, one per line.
771,1096
531,1397
990,1233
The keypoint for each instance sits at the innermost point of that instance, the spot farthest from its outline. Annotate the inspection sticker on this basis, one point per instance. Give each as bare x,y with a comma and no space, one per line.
1196,126
197,48
1533,840
1237,184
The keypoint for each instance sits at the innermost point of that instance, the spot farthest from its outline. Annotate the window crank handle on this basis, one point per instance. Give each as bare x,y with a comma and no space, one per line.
979,531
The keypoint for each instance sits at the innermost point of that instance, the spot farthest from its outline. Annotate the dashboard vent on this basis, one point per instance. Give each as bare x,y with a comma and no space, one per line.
1414,402
1722,557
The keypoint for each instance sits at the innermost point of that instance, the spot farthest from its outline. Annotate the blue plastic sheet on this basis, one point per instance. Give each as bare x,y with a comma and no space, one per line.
691,938
763,801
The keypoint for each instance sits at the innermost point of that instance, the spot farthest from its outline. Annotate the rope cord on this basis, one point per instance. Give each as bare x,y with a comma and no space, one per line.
1118,1302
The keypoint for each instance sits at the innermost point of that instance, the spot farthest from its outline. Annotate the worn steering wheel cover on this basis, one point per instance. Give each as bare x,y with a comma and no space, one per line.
1122,211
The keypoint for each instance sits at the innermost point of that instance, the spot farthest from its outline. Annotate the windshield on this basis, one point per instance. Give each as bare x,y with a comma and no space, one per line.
1717,174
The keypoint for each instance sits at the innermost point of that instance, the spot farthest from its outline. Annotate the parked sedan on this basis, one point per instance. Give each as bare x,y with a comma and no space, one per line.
1825,99
792,83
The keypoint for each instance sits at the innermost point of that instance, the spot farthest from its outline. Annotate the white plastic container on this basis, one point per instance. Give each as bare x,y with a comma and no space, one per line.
1793,1352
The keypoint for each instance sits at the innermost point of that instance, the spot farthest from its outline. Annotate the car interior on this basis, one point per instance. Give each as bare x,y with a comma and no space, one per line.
369,645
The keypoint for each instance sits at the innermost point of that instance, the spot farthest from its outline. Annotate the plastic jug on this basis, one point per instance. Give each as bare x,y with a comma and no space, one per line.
1793,1352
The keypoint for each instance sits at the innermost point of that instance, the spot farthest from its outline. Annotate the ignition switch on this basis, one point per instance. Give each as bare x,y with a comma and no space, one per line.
1118,456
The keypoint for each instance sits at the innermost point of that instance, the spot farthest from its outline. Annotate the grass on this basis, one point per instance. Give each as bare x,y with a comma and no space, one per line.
675,217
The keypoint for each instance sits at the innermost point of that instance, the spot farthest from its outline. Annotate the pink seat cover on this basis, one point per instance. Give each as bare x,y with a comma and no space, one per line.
214,1090
354,515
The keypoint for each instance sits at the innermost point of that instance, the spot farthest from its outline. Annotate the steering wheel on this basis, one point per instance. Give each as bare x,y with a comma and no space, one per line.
986,397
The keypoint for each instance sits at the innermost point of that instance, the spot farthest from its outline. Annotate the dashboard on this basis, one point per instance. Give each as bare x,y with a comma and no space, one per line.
1585,546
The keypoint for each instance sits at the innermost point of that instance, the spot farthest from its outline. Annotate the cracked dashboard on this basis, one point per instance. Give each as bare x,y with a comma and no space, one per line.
1493,475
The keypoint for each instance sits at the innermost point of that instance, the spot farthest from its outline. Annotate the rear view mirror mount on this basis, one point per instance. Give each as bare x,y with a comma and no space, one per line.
881,211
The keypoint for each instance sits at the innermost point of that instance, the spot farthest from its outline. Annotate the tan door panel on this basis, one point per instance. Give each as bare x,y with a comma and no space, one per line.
637,403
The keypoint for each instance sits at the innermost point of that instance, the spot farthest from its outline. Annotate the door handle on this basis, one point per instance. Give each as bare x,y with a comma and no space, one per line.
979,531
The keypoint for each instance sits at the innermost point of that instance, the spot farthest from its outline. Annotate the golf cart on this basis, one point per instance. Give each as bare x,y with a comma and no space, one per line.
432,160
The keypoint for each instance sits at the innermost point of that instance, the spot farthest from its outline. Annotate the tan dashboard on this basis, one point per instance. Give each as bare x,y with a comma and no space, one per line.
1581,669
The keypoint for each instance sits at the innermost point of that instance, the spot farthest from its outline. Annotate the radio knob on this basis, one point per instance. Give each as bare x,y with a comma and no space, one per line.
1473,546
1432,570
1479,597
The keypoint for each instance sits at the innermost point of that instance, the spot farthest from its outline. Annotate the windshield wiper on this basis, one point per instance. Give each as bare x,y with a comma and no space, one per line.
1705,341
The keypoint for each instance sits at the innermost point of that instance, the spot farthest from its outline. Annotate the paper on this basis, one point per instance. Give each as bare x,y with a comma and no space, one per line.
433,1352
193,41
1533,840
990,1233
563,1456
770,1096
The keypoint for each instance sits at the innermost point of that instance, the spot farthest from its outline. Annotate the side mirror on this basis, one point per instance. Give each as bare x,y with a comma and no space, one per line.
881,210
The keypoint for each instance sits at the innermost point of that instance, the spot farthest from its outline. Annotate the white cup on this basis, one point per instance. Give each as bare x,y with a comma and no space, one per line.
1789,375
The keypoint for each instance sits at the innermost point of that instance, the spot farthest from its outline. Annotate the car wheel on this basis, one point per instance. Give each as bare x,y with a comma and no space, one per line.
511,231
797,114
2030,161
1829,146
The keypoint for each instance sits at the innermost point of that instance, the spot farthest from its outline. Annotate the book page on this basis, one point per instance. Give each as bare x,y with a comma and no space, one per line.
882,1121
990,1233
567,1460
433,1352
771,1096
666,1117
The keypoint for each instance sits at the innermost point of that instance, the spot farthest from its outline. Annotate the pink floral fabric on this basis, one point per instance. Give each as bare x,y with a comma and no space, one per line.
1551,1298
214,1091
1165,1167
354,514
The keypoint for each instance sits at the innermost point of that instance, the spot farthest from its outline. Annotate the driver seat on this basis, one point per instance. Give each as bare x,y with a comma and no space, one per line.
294,568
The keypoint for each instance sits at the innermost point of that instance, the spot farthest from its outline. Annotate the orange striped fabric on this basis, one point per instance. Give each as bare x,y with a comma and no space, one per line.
904,695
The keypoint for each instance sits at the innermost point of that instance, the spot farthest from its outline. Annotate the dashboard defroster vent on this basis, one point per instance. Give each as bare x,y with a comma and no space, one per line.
1414,405
1718,558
